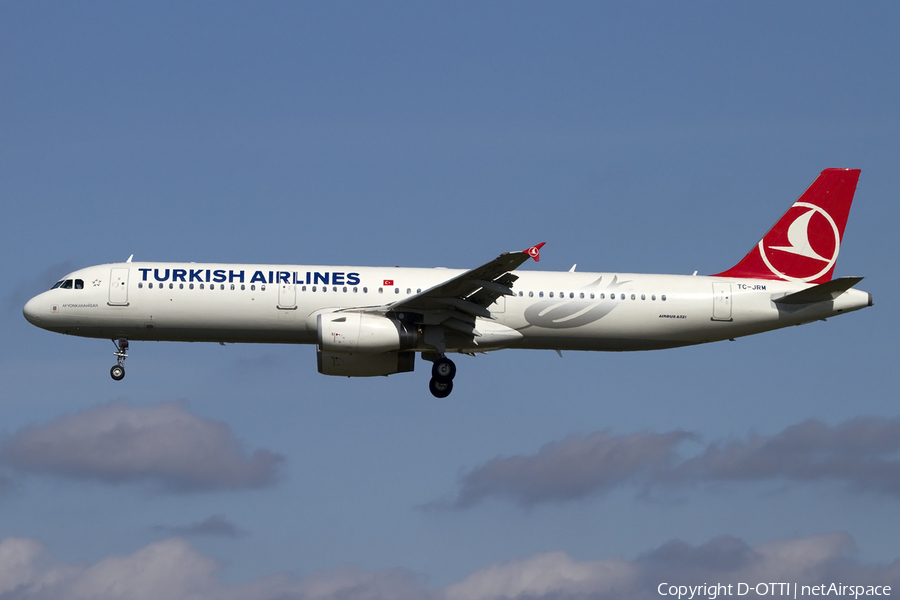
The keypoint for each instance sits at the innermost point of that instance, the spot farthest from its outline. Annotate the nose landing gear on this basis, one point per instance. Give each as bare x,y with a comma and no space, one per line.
442,373
117,372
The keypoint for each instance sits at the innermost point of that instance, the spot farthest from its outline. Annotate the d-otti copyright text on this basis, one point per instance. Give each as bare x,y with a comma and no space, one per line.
791,590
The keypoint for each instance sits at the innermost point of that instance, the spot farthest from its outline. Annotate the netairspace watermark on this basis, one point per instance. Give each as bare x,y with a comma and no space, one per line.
792,590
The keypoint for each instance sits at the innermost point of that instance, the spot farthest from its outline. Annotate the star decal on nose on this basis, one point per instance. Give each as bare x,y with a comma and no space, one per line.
96,283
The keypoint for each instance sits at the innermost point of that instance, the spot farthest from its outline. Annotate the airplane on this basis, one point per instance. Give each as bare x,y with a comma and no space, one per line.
371,321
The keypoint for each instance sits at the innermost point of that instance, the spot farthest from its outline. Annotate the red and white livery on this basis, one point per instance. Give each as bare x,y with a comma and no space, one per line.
368,321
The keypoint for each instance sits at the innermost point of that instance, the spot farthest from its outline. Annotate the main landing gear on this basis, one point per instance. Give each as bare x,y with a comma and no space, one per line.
117,372
442,373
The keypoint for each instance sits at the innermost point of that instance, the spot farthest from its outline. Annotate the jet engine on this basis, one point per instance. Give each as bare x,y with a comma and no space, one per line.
363,345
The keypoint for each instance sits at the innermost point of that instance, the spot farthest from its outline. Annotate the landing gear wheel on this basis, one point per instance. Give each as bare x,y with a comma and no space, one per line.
440,389
117,372
443,369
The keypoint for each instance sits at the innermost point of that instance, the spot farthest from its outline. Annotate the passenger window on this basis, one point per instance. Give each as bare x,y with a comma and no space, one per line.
201,286
653,297
396,290
541,294
180,286
418,290
572,295
150,285
232,286
632,297
334,289
262,288
581,295
345,289
171,286
592,295
408,290
365,290
380,290
531,294
663,297
355,290
191,285
253,288
643,296
140,284
551,294
313,288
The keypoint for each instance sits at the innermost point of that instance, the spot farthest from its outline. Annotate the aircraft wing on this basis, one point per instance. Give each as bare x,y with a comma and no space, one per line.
455,303
473,291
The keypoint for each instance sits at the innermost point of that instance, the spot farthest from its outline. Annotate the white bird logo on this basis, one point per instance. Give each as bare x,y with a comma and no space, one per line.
798,237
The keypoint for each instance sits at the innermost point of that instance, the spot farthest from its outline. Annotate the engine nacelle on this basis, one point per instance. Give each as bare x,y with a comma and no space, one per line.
364,365
361,345
349,332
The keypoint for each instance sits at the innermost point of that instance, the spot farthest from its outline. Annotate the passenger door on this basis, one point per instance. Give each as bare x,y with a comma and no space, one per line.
118,287
721,302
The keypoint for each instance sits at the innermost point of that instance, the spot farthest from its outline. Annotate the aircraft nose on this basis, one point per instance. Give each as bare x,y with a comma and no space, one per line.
32,310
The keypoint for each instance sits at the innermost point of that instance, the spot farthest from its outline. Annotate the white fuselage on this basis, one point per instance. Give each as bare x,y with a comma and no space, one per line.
550,310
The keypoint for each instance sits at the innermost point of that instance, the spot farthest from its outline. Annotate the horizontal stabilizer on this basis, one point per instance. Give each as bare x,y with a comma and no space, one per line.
824,292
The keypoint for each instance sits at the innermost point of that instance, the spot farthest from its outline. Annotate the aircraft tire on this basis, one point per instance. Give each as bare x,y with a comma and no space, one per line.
117,372
440,389
443,370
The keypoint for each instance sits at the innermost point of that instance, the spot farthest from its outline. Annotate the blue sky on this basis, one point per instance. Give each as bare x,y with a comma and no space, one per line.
631,137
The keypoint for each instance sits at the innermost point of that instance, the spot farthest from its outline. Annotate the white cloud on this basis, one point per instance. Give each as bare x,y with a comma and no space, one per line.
547,576
173,569
862,452
810,560
573,468
216,525
163,444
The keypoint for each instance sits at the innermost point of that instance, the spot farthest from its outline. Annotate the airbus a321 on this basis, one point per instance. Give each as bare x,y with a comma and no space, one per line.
368,321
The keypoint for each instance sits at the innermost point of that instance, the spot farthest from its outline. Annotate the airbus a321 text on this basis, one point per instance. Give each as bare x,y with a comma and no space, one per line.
368,321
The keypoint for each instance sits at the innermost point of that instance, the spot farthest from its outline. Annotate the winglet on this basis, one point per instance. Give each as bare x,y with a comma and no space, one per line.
535,252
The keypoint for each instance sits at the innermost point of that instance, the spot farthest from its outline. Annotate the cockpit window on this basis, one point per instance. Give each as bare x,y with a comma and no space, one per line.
68,284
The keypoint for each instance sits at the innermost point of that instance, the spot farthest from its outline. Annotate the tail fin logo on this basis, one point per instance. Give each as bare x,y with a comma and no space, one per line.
813,242
535,251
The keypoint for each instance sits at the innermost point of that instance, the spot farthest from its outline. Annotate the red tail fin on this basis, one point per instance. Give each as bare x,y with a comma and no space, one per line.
804,244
